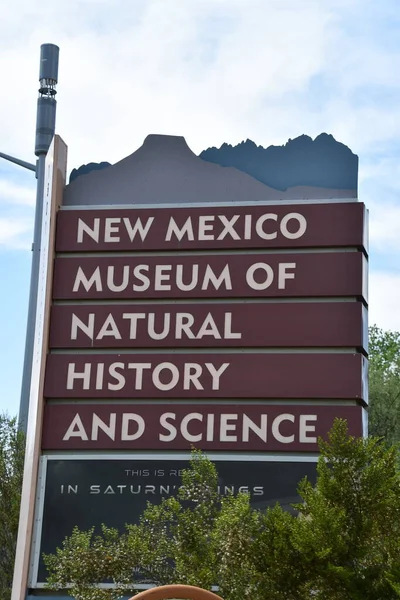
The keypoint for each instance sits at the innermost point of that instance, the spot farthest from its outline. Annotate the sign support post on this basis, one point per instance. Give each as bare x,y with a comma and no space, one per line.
54,180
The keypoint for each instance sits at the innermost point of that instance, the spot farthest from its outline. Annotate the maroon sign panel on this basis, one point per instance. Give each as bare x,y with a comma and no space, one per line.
311,324
235,375
176,427
210,276
268,226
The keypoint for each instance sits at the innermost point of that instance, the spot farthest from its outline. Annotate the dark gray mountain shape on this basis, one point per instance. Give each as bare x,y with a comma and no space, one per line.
323,162
85,169
165,170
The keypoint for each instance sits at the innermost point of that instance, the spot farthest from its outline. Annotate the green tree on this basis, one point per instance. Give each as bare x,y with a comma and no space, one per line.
384,384
171,543
12,447
342,543
348,533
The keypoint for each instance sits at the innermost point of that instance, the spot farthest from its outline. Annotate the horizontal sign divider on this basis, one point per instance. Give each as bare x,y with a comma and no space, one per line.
137,351
260,457
208,301
241,251
191,205
205,401
228,402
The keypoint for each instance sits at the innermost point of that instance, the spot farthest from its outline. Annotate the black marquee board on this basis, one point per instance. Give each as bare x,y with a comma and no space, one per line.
114,490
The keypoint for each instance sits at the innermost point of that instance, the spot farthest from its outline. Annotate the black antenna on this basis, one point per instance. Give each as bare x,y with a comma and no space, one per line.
46,104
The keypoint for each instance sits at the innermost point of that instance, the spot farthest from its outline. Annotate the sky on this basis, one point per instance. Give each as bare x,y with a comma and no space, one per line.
213,71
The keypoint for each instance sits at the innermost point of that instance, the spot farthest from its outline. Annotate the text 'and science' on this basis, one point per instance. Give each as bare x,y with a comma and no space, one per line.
216,427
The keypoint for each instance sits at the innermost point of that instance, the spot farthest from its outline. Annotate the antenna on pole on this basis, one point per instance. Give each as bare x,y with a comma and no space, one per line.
46,104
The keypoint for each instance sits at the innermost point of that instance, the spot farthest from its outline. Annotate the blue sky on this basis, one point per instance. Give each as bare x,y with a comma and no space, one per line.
213,71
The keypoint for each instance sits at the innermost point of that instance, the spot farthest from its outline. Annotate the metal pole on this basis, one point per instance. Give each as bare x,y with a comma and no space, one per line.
18,161
45,128
32,303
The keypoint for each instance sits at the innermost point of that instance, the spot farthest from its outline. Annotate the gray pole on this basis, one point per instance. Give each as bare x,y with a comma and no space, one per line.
45,128
18,161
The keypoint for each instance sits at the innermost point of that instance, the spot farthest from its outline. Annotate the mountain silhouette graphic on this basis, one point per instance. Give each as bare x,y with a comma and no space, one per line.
165,170
322,162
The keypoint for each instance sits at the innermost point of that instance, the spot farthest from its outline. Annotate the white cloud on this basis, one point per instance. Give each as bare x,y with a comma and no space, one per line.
211,70
14,233
385,227
17,202
380,189
178,72
384,293
16,194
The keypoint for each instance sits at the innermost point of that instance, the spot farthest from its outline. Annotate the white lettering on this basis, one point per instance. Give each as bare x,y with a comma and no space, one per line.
208,328
109,329
186,287
216,373
127,418
168,426
225,426
184,427
99,376
204,227
210,427
305,428
137,272
111,227
173,229
112,286
85,228
79,432
210,277
302,226
284,439
283,275
264,284
192,372
228,333
117,376
228,227
174,376
86,329
249,425
259,229
88,283
139,228
247,227
184,322
139,368
73,375
109,429
133,317
151,326
160,277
